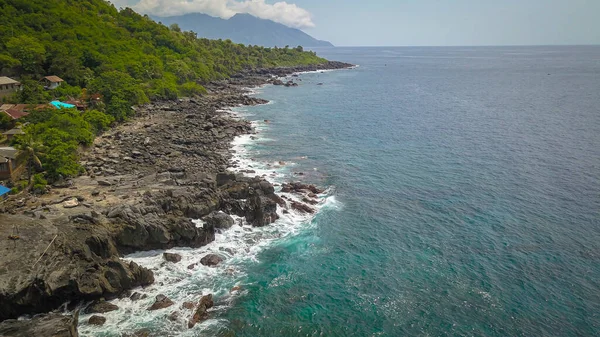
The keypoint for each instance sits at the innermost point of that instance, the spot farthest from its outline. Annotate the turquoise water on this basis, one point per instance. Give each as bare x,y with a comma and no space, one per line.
464,200
468,183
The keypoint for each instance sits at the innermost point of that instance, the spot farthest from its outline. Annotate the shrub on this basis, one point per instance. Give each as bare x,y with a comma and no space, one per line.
189,89
39,184
98,120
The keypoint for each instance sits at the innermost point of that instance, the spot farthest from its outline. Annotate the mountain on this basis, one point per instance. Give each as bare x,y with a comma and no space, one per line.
245,29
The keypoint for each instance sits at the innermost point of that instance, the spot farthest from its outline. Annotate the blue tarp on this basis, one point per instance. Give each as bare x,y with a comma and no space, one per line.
4,190
60,105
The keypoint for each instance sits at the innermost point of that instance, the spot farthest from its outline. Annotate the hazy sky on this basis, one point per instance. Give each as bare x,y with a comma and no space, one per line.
412,22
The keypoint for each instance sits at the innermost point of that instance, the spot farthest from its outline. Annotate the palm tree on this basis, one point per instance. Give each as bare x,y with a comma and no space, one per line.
28,156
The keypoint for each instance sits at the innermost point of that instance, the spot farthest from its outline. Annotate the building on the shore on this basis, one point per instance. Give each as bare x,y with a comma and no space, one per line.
52,82
10,134
81,106
16,111
8,86
8,162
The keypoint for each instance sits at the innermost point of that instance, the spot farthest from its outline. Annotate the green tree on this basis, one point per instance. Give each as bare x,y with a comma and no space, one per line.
120,92
32,92
98,120
29,51
29,151
5,121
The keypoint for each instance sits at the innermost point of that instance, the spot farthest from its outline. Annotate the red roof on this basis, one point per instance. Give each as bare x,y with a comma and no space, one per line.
16,114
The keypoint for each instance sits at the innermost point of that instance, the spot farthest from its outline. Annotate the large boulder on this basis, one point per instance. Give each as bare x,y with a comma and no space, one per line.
161,302
53,324
261,210
97,320
205,303
172,257
225,178
211,260
100,307
219,220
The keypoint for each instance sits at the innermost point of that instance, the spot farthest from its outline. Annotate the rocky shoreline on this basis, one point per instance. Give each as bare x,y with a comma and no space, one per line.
144,182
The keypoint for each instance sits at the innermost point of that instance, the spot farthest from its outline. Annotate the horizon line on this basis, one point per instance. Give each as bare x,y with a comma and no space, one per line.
468,46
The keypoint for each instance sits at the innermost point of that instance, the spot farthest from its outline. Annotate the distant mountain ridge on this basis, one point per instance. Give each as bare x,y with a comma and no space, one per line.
245,29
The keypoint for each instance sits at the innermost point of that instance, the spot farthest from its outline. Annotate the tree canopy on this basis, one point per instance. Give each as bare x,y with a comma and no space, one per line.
125,56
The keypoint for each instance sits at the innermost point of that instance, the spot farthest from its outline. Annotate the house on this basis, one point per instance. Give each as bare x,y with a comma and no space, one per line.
8,86
16,111
52,82
8,162
10,134
81,106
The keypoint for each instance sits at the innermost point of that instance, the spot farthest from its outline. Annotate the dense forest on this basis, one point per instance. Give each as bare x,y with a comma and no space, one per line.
89,43
124,57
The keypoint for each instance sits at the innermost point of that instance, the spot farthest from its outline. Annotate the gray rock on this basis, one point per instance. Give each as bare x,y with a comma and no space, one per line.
97,320
211,260
219,220
205,303
55,325
172,257
135,296
100,307
161,302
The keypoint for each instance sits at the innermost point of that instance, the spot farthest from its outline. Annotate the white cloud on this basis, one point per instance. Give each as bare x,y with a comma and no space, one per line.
282,12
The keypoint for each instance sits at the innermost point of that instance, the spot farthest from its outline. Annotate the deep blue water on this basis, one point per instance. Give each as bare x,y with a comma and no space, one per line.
469,184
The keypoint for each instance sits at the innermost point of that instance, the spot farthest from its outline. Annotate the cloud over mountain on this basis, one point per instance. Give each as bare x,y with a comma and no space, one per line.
282,12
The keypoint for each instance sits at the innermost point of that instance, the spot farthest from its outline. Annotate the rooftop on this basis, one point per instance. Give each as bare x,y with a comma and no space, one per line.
15,131
54,79
14,113
7,80
8,152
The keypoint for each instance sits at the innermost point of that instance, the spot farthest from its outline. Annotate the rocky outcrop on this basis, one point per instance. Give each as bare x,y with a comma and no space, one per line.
47,267
100,307
211,260
55,325
172,257
259,205
219,220
300,188
161,302
205,303
145,180
97,320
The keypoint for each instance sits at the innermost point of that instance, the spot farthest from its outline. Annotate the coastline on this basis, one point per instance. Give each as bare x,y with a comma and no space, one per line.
146,180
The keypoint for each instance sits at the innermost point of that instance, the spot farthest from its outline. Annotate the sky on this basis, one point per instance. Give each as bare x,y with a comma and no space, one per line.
410,22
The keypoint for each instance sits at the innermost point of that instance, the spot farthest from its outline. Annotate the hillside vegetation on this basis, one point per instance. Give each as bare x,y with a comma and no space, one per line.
120,56
89,43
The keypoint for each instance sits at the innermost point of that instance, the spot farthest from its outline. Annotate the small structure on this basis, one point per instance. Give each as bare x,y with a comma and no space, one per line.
8,162
62,105
16,111
81,106
52,82
8,86
10,134
4,191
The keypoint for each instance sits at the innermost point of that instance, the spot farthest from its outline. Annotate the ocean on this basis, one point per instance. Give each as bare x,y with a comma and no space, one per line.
463,199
